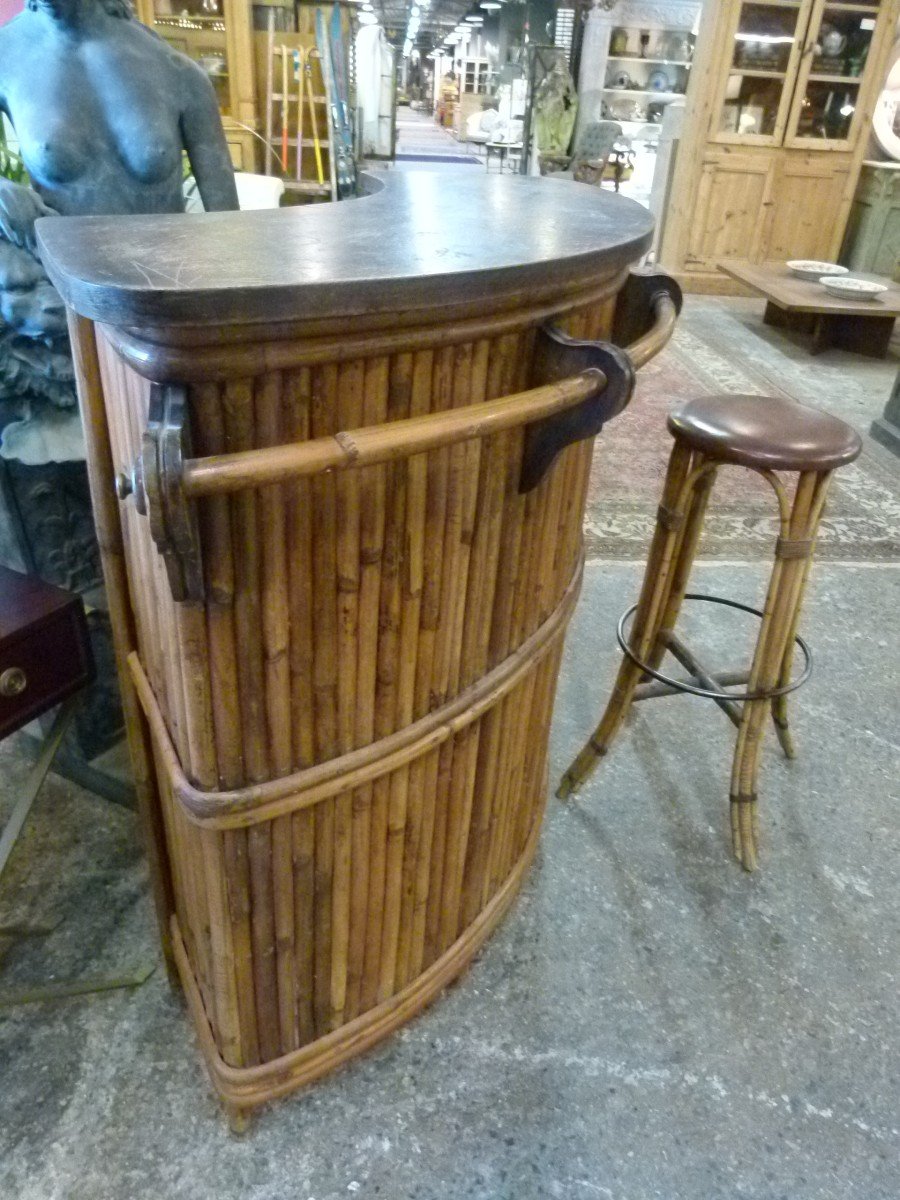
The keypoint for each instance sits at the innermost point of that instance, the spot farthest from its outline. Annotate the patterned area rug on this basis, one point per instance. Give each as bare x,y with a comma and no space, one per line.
722,346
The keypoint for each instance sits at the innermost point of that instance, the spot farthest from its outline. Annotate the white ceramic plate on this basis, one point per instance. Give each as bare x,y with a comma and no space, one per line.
852,289
813,271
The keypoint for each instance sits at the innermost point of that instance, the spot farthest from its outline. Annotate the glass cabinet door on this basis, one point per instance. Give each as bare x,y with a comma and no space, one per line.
758,88
834,63
197,29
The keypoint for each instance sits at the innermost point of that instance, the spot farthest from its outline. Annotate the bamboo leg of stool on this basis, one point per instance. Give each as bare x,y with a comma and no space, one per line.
652,602
780,703
238,1119
685,554
778,618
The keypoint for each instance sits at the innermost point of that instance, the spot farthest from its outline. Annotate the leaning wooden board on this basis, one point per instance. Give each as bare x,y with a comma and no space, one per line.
340,671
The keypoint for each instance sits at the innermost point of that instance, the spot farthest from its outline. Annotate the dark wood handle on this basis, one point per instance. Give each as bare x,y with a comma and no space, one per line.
659,336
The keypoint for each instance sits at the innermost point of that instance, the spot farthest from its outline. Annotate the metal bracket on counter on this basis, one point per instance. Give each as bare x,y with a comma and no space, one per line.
558,356
637,305
156,485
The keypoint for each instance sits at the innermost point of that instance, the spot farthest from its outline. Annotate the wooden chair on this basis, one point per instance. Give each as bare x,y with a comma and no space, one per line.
767,436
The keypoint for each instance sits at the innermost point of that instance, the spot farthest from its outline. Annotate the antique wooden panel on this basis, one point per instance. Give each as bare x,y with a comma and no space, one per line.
809,217
734,190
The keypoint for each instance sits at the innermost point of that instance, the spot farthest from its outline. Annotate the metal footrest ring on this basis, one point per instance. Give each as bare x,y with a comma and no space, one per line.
680,686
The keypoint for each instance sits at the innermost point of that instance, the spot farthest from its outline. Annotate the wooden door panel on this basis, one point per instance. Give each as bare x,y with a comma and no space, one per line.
808,220
732,196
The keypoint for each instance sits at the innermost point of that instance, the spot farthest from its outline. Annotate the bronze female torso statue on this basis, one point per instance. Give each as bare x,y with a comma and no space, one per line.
102,109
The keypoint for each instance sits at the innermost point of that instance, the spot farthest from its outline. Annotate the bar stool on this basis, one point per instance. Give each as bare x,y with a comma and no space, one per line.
766,435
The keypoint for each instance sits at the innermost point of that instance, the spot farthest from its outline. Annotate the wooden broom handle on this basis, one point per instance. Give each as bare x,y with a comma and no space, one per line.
384,443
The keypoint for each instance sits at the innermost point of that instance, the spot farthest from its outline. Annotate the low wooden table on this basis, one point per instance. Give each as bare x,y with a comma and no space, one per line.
805,307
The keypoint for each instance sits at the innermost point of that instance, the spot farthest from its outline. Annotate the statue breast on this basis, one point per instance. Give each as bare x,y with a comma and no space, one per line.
150,151
55,159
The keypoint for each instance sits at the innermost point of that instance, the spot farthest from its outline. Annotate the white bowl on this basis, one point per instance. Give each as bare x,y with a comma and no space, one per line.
813,271
852,289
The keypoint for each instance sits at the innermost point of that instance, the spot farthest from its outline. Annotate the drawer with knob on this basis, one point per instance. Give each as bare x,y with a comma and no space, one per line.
45,654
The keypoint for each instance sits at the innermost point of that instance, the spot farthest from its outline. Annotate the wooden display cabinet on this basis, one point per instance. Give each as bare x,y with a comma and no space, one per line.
776,128
218,35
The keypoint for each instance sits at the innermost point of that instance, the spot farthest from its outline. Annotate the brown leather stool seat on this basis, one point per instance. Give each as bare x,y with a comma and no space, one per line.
765,433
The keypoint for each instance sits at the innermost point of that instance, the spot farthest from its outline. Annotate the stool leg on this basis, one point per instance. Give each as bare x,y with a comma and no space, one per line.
685,554
780,703
653,600
780,616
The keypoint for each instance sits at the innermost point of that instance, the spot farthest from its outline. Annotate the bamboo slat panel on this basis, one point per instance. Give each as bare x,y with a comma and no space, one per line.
403,622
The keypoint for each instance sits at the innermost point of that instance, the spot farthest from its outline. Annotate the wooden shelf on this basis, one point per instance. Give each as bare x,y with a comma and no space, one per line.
185,21
653,62
614,91
854,79
761,74
308,185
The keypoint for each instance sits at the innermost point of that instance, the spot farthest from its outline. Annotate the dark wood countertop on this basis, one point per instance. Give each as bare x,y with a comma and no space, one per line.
416,236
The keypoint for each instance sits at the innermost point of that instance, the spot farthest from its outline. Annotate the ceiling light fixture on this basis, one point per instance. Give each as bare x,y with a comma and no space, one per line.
491,5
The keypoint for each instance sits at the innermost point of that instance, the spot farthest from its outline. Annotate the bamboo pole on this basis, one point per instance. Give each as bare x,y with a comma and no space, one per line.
654,592
300,61
780,615
270,86
237,892
276,654
297,402
780,703
486,552
247,557
101,475
387,442
465,754
227,1010
376,700
215,532
229,910
393,711
324,405
417,857
350,409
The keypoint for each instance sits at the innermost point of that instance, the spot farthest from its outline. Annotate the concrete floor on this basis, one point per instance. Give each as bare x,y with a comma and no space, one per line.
649,1022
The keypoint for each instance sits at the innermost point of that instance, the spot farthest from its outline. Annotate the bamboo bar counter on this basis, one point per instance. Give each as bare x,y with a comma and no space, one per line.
338,459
